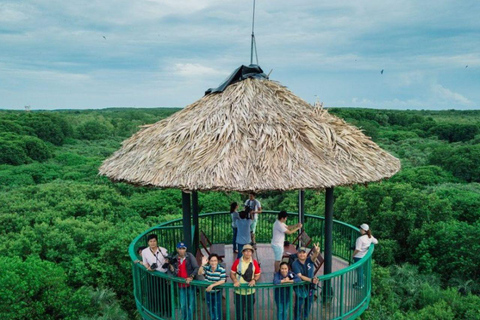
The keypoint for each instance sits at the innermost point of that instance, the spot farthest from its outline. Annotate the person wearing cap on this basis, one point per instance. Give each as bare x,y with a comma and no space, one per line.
278,238
304,268
245,271
184,265
361,247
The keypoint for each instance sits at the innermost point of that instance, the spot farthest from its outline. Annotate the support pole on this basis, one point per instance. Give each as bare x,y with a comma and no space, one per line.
301,209
196,212
328,230
187,221
327,290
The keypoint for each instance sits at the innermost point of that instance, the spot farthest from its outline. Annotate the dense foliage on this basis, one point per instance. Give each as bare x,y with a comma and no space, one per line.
66,230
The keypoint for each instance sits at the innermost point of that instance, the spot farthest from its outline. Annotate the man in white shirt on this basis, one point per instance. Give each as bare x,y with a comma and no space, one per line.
278,239
154,255
153,258
255,209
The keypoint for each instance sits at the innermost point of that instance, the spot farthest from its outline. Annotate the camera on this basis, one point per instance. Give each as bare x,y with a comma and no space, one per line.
153,266
248,211
169,261
291,276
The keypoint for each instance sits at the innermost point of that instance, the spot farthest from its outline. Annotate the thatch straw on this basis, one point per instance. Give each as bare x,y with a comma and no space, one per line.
256,135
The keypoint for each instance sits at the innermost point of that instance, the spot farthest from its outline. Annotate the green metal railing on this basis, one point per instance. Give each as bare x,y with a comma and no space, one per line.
159,295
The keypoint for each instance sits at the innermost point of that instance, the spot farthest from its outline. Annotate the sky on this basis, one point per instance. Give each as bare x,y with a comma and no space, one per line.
57,54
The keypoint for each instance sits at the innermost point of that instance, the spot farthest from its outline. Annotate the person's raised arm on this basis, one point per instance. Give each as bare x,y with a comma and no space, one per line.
315,252
293,229
204,263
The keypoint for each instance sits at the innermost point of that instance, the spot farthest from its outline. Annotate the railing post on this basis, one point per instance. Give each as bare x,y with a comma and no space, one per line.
227,302
341,295
172,295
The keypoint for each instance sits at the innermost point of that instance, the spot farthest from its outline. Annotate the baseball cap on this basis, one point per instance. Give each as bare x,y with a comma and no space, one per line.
181,245
364,226
302,249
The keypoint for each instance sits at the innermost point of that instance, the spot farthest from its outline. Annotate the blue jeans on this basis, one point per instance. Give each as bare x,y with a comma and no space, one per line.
214,304
282,308
240,248
359,273
303,306
187,302
234,242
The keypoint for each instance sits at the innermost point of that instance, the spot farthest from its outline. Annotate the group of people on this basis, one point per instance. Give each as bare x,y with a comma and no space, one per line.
244,223
245,269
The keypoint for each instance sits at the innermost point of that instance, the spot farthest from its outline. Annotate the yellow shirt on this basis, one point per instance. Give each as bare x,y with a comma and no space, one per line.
244,267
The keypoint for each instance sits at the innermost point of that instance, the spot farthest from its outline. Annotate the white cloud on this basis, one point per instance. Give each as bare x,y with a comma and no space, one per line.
447,94
195,70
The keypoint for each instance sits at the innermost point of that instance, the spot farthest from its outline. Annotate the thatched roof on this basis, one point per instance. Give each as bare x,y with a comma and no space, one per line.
256,135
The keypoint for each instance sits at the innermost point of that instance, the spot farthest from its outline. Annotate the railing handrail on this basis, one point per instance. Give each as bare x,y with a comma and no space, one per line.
165,225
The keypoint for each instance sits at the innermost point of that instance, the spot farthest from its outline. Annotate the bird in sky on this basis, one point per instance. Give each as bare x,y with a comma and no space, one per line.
104,37
466,66
381,72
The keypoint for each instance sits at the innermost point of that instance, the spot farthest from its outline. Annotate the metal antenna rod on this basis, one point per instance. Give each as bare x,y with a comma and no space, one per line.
253,43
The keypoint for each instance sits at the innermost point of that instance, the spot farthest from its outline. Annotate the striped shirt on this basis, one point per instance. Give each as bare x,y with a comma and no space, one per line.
214,276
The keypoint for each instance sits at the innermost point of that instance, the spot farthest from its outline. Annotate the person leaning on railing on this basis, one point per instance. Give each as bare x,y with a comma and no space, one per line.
304,268
216,275
245,270
361,247
184,265
154,258
282,295
139,252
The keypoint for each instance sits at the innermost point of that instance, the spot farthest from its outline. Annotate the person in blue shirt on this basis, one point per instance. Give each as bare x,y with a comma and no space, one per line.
283,294
243,232
304,268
